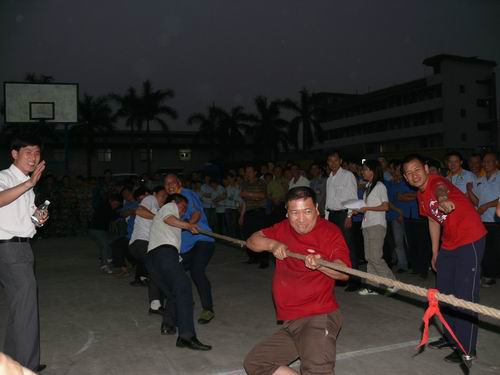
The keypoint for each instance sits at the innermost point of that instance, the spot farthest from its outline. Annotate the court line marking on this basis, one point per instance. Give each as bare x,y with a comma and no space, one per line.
352,354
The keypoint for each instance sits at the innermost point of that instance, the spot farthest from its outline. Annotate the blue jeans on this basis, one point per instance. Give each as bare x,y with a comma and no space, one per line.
398,232
168,274
101,238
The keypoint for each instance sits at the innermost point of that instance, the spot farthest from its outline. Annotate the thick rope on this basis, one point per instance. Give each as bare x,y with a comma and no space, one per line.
447,298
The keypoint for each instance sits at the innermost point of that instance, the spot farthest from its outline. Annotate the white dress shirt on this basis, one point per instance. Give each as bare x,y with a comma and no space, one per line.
15,218
162,233
142,226
377,196
340,187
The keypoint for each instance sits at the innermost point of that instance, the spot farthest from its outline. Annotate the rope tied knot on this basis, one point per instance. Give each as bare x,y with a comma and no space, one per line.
432,310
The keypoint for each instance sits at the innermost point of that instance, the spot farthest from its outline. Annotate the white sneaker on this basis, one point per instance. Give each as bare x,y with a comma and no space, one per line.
367,292
105,269
391,290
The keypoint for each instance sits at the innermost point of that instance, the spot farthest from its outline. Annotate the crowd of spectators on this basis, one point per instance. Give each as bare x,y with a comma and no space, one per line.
241,200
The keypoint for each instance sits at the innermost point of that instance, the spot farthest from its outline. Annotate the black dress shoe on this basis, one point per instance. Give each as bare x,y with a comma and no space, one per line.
193,343
441,344
40,368
159,311
167,329
456,357
352,288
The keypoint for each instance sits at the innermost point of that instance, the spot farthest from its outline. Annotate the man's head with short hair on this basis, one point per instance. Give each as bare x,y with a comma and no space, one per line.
180,200
454,161
25,152
302,209
415,171
475,163
490,162
172,183
334,161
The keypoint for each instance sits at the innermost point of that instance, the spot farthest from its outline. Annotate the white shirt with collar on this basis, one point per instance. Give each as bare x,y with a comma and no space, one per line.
163,234
15,218
301,181
340,187
142,226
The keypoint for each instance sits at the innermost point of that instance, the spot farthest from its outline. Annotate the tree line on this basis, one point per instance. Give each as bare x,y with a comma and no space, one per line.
267,128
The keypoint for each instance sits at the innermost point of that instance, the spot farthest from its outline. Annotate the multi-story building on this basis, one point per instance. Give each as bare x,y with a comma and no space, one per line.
455,107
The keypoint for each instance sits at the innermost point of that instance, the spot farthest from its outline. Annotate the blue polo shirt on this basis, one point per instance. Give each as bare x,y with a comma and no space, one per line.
409,208
488,189
130,219
188,240
393,199
462,179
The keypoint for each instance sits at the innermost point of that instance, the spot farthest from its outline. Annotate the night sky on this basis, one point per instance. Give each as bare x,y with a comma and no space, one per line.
229,51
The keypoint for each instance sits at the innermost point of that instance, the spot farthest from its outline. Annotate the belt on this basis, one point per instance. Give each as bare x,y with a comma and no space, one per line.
16,239
336,210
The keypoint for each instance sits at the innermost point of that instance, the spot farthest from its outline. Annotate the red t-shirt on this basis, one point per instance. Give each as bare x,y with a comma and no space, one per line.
461,226
297,290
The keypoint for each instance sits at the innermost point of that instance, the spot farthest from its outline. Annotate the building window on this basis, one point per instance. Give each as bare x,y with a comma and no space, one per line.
463,113
104,155
461,88
59,155
143,154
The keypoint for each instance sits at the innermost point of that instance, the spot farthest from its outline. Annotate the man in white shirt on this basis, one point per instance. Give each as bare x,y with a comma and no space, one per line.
341,186
461,178
166,270
297,178
17,205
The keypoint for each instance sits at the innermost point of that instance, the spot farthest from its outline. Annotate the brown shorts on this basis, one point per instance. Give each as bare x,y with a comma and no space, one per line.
312,339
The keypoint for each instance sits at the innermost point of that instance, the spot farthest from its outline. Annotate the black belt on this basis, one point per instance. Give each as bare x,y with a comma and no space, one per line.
334,211
16,239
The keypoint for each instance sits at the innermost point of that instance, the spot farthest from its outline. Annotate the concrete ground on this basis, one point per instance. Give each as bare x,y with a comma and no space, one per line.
97,324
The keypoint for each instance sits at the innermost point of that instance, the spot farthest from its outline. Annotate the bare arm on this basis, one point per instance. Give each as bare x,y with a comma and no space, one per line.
435,233
10,195
498,208
482,208
259,243
311,262
445,204
173,221
144,213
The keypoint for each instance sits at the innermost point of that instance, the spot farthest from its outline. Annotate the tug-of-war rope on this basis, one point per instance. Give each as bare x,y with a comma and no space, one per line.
433,296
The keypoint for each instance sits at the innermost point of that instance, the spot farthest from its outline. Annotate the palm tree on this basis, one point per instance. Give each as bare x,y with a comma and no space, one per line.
152,107
129,109
208,125
306,117
34,78
269,128
142,109
95,115
233,126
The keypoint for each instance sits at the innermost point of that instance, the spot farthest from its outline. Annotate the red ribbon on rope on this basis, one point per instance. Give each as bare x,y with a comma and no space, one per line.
432,310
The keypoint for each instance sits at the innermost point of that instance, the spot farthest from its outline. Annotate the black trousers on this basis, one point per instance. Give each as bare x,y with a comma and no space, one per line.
491,260
338,218
120,252
459,273
419,245
138,250
17,277
253,221
168,273
196,261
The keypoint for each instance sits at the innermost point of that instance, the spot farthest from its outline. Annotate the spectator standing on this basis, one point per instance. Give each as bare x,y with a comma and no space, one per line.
318,184
297,178
457,175
218,198
232,205
253,214
207,194
374,224
341,186
485,197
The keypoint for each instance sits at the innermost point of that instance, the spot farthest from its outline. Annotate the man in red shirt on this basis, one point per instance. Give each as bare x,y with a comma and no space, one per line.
302,290
458,260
